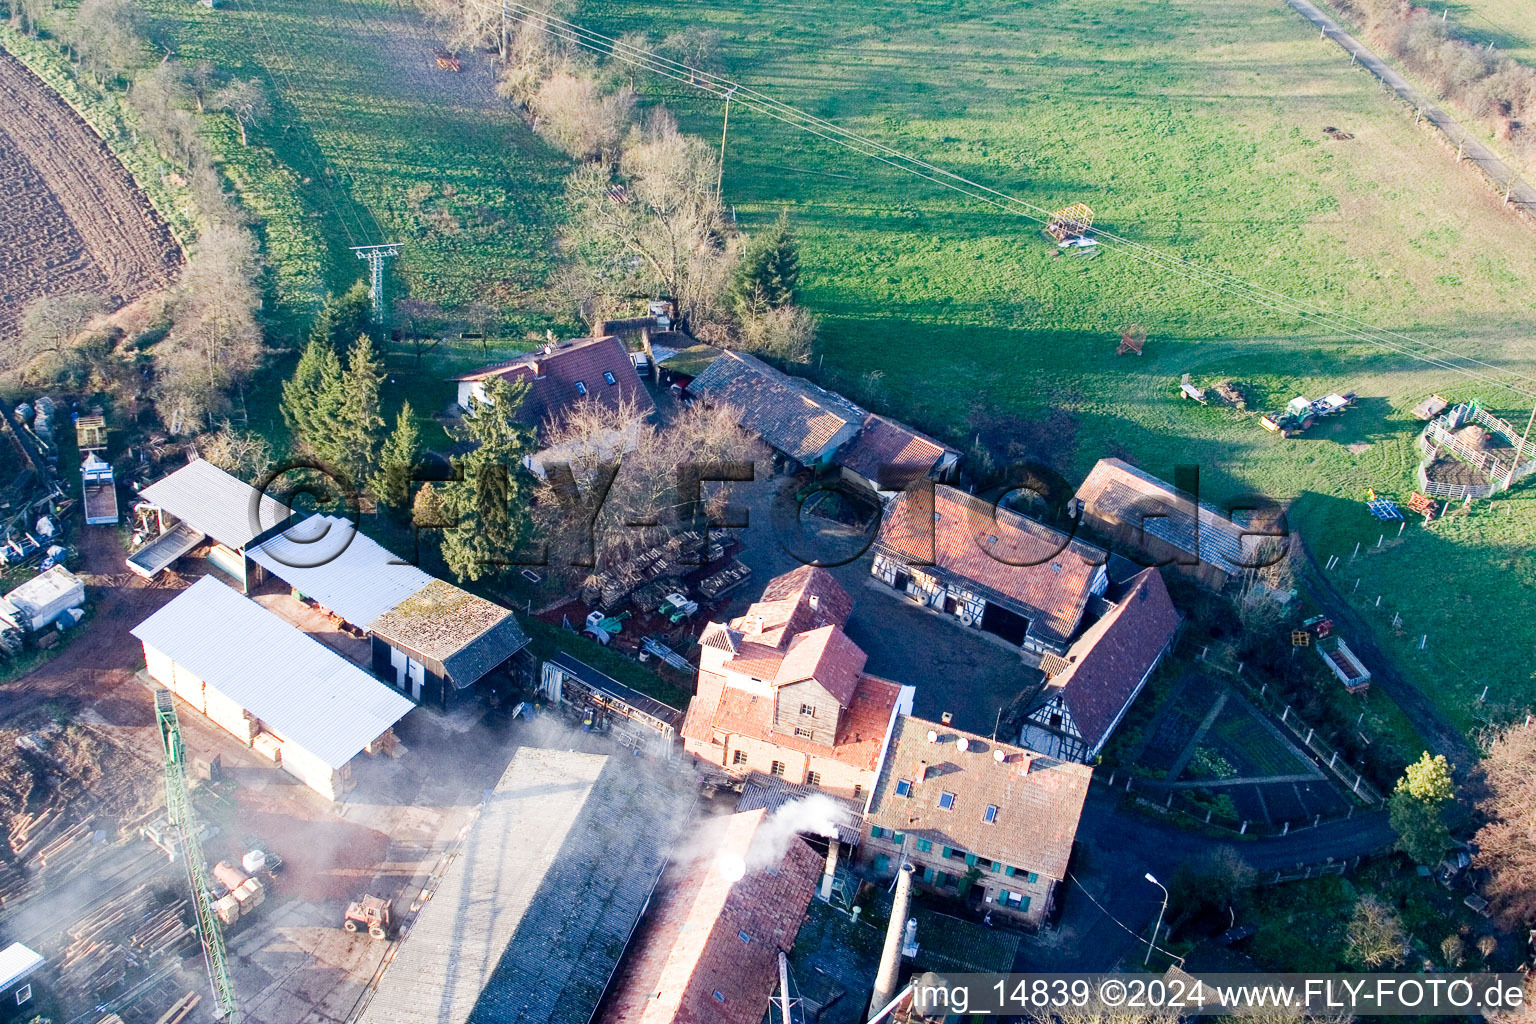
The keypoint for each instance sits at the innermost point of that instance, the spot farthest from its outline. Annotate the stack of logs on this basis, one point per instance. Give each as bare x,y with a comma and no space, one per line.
127,929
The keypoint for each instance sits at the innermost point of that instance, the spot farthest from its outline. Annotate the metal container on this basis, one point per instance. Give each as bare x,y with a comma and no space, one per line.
254,861
229,876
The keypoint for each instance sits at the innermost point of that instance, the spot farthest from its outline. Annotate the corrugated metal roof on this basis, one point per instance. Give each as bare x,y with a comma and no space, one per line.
531,918
222,506
16,963
611,686
302,689
325,558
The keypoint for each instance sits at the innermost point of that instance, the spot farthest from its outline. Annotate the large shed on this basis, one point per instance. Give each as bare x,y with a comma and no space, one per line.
532,916
201,502
441,641
254,675
636,719
328,560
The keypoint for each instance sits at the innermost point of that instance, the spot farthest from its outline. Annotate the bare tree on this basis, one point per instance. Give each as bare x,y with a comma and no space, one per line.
1504,844
615,482
246,100
699,48
108,36
214,343
49,323
30,16
786,332
574,114
1375,934
663,214
244,453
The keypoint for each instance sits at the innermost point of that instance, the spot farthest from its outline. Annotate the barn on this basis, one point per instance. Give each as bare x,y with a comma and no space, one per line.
201,503
270,685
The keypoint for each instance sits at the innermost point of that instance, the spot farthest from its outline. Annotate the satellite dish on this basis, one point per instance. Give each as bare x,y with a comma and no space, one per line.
933,737
962,744
998,755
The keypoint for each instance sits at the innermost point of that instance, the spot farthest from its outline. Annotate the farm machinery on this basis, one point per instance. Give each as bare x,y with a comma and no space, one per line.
370,914
1301,413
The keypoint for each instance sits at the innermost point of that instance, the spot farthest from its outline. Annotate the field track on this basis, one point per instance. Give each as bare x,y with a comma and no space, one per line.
71,218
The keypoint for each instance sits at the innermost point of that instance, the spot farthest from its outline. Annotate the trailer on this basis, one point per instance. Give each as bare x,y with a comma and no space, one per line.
1344,664
100,492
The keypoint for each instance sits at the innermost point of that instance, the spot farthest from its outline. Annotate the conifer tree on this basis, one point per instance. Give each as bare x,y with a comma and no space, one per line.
343,317
360,428
769,270
312,397
397,459
488,503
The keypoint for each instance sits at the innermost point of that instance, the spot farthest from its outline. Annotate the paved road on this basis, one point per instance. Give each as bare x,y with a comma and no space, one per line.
1440,735
1109,906
1522,195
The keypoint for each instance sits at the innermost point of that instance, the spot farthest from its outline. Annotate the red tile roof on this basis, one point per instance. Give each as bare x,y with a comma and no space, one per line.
717,709
553,377
1038,799
1108,661
802,599
707,950
1047,574
891,454
827,656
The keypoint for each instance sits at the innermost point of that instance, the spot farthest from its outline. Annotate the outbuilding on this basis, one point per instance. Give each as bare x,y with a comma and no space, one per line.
200,502
270,685
637,720
17,966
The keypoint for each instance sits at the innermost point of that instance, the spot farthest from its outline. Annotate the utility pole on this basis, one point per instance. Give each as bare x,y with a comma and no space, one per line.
1509,481
724,126
376,255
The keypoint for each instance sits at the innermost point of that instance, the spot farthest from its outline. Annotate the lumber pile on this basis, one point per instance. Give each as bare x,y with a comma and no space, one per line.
67,844
180,1009
164,931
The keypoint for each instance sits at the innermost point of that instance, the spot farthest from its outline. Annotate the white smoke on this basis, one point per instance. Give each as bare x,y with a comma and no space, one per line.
818,815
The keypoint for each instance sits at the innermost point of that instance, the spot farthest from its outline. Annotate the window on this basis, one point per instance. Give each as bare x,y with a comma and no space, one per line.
903,787
581,389
970,860
945,851
1009,871
777,768
808,710
928,875
898,838
946,801
1032,878
719,995
877,831
813,778
990,815
923,846
609,377
802,732
744,937
740,757
23,994
1055,721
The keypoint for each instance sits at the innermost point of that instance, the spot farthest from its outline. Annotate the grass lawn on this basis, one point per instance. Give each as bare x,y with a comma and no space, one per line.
1510,25
370,142
1194,126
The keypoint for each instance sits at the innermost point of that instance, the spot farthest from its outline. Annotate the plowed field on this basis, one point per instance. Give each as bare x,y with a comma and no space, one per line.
71,218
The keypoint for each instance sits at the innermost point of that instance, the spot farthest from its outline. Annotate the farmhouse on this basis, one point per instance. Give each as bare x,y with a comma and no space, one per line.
1140,513
888,456
782,691
803,423
988,566
559,376
1087,693
707,951
987,821
200,502
531,918
639,721
269,684
443,642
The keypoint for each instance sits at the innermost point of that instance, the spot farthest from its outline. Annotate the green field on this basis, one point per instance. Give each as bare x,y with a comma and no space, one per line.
1510,25
370,142
1194,126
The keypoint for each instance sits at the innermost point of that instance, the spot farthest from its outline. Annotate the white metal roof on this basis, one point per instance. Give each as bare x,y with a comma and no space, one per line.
327,559
302,689
16,963
220,505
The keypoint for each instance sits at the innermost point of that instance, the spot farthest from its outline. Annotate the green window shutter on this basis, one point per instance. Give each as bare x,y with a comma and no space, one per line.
941,879
1024,903
928,875
882,864
1033,878
1008,870
970,860
946,851
923,846
898,837
877,832
996,867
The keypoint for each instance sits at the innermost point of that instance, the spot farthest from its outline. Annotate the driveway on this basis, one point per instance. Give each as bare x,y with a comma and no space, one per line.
964,672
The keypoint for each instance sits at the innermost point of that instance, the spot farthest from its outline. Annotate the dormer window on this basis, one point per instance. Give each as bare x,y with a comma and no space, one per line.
903,787
990,815
946,801
581,387
609,377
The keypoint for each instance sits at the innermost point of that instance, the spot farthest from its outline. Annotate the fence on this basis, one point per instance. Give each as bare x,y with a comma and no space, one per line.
1439,436
1171,803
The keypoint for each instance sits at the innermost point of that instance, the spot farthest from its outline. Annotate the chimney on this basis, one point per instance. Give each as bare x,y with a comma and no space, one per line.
815,602
599,328
830,873
895,932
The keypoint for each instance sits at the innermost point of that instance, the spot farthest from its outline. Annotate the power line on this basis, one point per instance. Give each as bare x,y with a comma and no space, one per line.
1439,356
